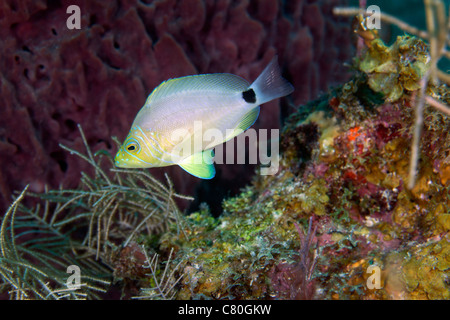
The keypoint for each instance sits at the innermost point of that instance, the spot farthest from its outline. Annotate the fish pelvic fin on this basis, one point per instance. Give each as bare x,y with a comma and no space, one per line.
270,84
200,164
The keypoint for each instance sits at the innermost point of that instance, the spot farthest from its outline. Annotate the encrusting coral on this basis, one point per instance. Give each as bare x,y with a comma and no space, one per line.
391,70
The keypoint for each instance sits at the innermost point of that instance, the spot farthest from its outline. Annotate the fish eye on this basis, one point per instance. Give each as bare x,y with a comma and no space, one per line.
132,146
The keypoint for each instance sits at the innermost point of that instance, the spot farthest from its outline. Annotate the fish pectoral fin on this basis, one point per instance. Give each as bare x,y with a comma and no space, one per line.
200,164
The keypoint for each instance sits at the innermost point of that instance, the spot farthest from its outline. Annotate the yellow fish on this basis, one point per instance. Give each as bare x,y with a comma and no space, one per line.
171,127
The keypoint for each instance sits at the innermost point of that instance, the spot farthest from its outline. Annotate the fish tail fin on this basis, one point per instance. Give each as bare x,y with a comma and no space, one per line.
270,84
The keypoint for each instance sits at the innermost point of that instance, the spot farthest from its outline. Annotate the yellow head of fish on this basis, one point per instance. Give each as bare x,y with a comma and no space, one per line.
134,152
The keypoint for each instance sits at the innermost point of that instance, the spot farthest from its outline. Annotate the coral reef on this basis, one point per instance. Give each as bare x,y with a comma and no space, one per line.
344,163
53,78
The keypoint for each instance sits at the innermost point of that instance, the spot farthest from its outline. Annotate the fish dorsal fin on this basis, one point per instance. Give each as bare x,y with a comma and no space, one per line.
216,82
200,164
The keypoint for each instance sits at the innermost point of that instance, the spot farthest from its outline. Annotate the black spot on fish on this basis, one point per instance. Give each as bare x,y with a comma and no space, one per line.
249,96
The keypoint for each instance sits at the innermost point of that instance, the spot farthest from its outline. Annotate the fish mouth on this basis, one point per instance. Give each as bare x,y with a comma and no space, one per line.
127,163
117,161
124,164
